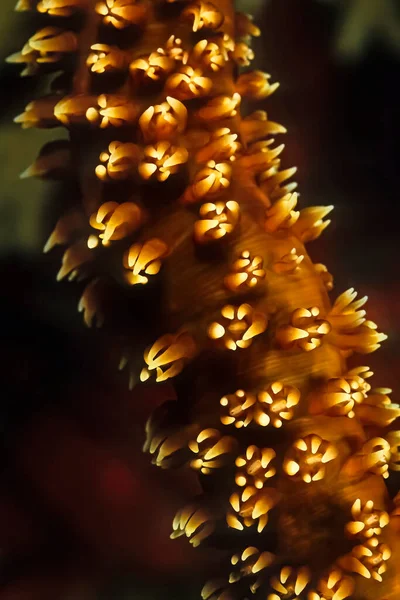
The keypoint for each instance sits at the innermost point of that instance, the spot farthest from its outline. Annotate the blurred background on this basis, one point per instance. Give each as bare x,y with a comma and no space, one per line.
82,513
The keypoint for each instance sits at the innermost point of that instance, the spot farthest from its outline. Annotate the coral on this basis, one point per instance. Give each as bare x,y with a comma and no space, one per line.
237,326
193,521
193,246
247,272
307,457
216,221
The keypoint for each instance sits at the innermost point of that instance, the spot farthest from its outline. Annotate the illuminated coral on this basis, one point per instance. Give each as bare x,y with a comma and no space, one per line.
222,146
259,156
310,223
121,13
282,215
73,109
373,457
238,326
279,435
251,563
73,261
340,396
167,444
251,507
238,409
209,182
211,451
188,83
203,14
119,161
208,54
377,408
114,111
272,179
163,121
162,160
275,404
245,26
307,458
173,49
246,272
367,521
167,356
254,467
394,442
53,161
114,221
271,406
48,45
59,8
377,453
65,230
90,304
333,586
345,313
220,107
255,85
216,589
144,260
257,126
242,54
289,584
227,45
216,221
351,331
305,331
104,59
368,560
326,277
193,521
154,67
288,263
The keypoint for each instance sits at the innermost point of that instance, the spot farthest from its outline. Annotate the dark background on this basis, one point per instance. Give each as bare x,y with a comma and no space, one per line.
82,513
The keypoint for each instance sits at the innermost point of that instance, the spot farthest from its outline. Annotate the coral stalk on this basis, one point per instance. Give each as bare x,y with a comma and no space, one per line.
184,194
